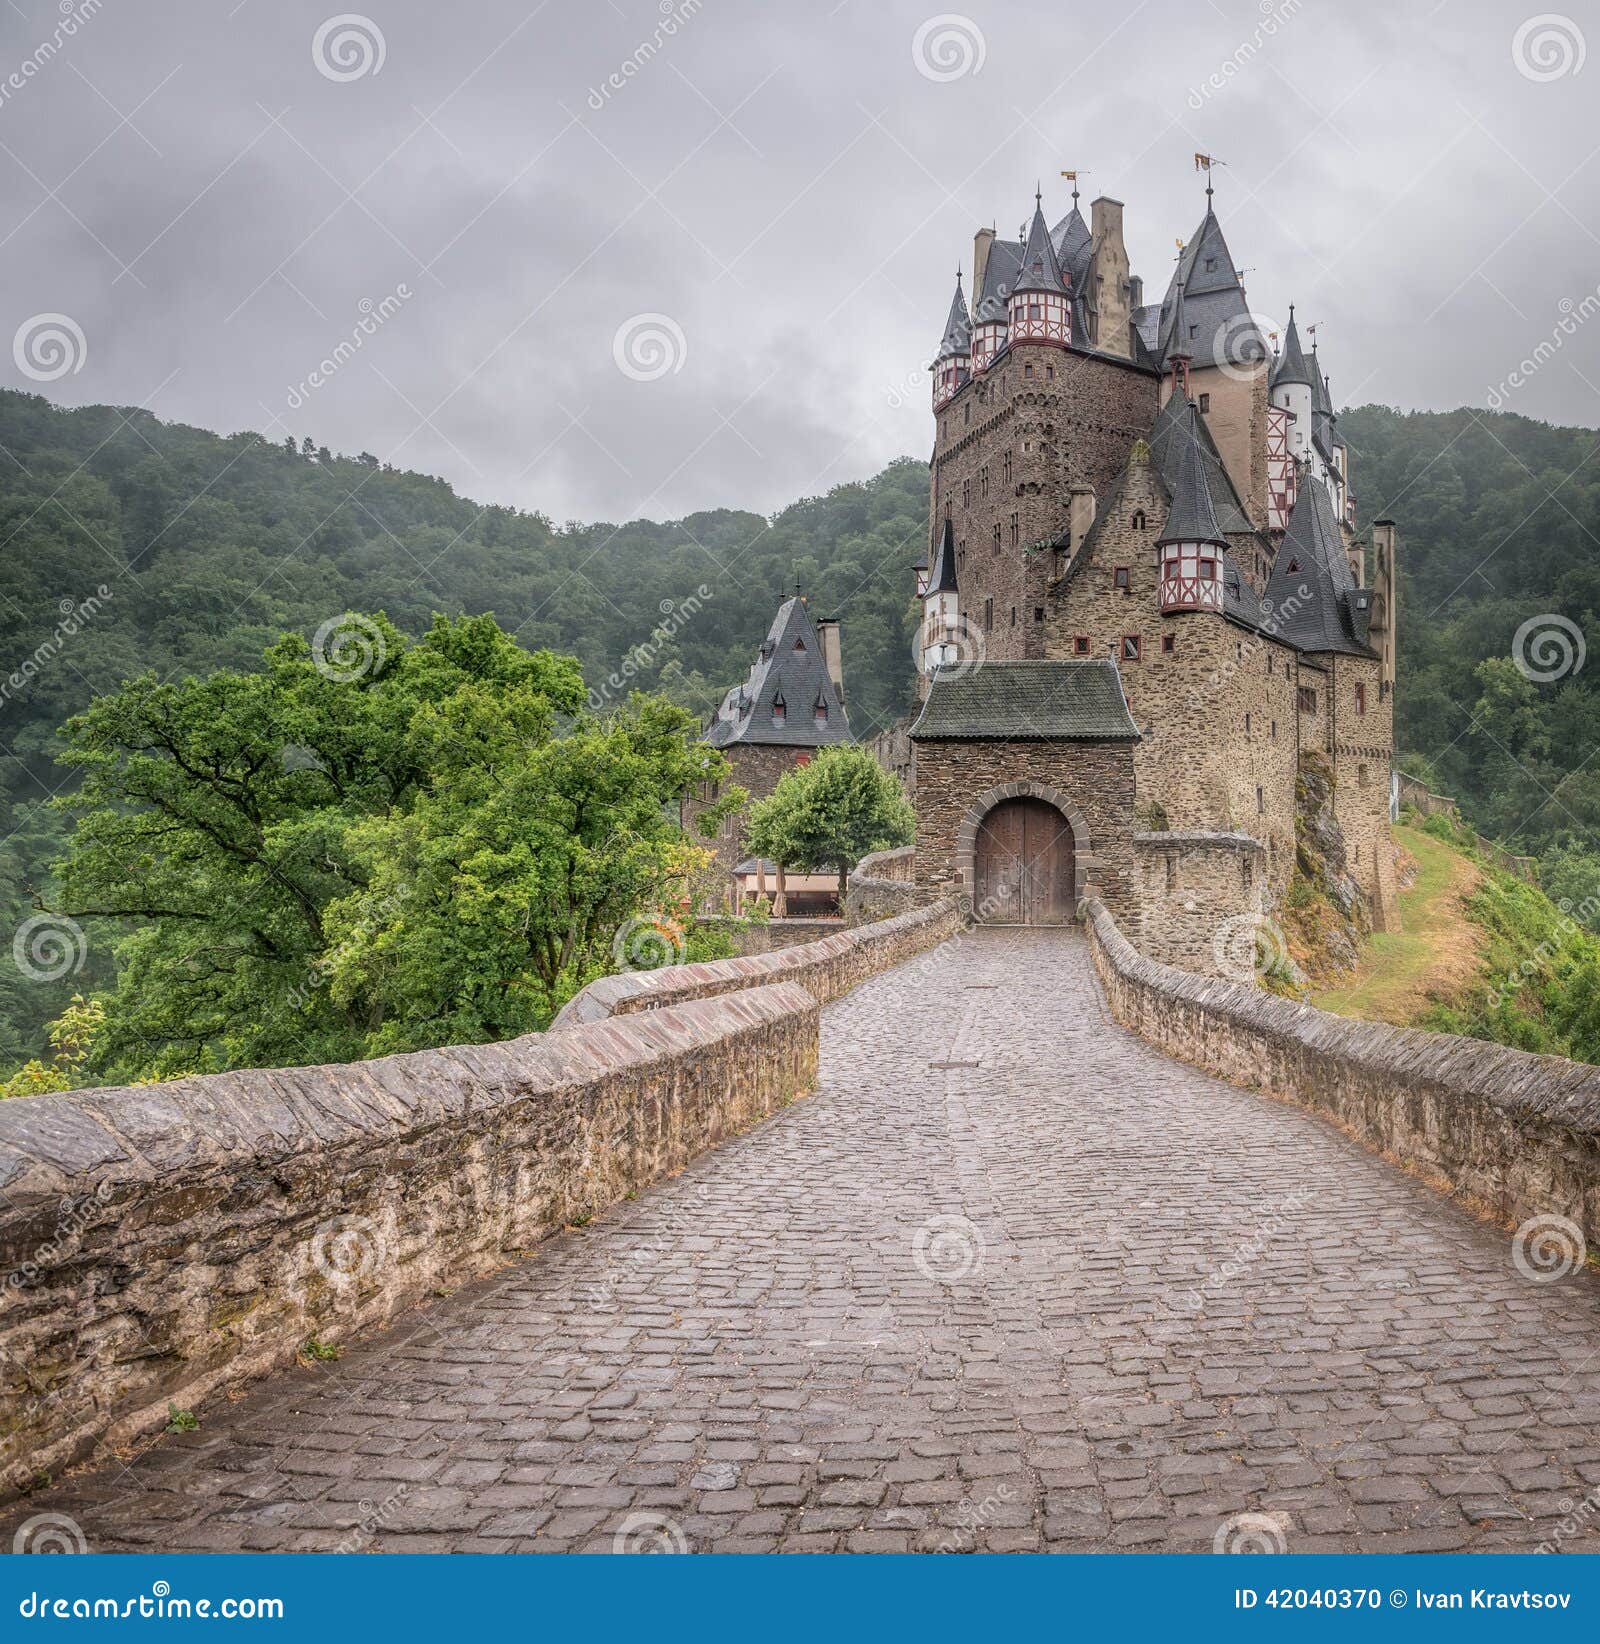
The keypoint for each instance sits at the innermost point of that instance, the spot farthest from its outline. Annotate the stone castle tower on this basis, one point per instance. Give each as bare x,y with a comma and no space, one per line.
1158,486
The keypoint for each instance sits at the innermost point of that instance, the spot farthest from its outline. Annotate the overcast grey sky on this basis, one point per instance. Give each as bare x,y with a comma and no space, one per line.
211,192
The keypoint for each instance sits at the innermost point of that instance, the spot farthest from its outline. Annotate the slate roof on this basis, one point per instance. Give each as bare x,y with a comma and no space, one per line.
1027,702
942,579
1311,557
789,664
957,337
1178,426
1224,331
1291,366
999,273
1040,268
1191,517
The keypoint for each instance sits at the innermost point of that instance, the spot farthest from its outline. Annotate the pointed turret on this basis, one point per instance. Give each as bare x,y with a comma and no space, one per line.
1224,331
1191,542
1039,307
952,365
1291,366
992,293
1311,598
941,608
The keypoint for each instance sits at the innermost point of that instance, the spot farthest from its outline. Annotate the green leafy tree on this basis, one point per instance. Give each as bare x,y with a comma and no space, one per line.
340,854
830,813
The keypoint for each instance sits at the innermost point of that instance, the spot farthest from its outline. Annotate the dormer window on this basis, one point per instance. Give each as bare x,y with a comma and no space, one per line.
820,712
780,711
800,647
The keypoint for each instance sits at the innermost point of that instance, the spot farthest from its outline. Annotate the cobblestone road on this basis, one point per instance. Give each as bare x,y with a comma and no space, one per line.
1011,1280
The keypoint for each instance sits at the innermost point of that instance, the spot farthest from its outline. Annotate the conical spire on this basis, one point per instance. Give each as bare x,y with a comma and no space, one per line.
942,575
1041,268
1178,347
1292,366
958,328
1192,518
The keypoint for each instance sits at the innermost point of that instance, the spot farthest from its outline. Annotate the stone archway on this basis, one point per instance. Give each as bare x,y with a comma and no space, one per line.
972,823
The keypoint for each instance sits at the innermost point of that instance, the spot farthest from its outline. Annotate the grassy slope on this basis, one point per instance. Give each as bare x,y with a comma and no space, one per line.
1434,955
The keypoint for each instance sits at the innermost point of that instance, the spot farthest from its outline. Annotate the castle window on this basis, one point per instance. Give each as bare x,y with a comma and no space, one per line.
1027,371
988,614
1038,613
820,713
800,647
1211,265
1013,616
1169,644
1261,800
1361,699
983,481
1138,519
1361,776
997,536
1015,531
1194,331
1005,465
947,507
1130,647
1119,578
1049,373
1208,570
1247,724
1274,730
1294,567
966,493
1080,645
780,710
1033,314
1306,697
1205,402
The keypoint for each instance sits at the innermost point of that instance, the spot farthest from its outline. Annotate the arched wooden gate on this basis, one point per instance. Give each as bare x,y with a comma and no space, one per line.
1023,867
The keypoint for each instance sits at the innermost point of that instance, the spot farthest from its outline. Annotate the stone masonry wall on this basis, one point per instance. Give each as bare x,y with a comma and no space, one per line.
162,1241
1518,1134
1012,443
1193,889
952,776
827,969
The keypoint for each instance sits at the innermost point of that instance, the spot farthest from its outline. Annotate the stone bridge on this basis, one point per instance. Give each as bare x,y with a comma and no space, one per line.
1009,1279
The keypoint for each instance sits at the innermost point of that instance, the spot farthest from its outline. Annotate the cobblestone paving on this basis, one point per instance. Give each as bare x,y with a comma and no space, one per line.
1151,1302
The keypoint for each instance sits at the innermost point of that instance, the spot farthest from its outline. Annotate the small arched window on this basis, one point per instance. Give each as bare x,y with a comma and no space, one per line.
1138,519
780,710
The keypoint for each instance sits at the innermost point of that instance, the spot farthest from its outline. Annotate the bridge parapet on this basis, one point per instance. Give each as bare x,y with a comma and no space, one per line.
1516,1135
160,1241
826,969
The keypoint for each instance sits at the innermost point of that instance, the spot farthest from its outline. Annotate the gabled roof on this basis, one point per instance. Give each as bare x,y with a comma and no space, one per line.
789,666
1176,427
1027,702
942,578
1040,269
1291,366
1191,518
1224,331
1308,595
1071,238
957,337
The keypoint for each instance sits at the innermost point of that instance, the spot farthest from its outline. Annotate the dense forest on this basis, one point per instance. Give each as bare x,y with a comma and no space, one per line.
134,547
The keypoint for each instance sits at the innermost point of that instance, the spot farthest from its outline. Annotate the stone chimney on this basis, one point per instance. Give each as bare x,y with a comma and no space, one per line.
828,639
1080,514
1108,278
981,241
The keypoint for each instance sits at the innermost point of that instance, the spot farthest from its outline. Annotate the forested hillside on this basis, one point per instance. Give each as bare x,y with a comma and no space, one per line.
1499,521
210,548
